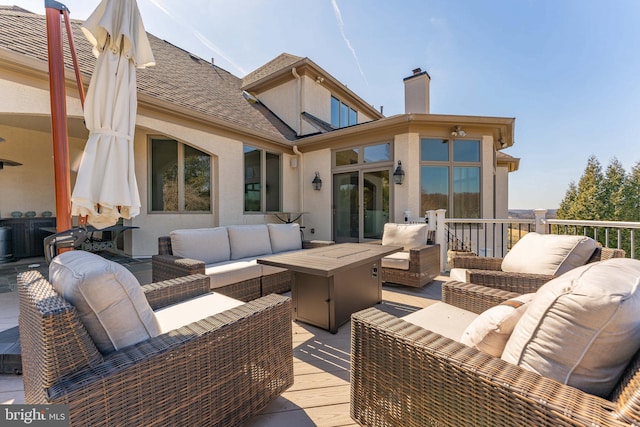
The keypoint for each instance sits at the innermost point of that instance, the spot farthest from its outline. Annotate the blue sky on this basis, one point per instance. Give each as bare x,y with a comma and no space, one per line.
567,70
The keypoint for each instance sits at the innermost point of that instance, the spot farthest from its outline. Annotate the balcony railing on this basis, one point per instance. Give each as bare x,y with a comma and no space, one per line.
495,237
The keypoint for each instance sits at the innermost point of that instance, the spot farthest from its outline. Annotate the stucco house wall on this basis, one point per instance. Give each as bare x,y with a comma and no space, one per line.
221,125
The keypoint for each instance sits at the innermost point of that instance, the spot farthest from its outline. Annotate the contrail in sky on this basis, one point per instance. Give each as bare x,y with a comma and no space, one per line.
336,11
201,37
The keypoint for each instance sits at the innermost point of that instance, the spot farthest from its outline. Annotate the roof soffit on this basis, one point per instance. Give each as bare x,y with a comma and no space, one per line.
435,125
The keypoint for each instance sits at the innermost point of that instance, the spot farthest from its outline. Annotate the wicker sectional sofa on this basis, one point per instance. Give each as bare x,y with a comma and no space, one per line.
227,255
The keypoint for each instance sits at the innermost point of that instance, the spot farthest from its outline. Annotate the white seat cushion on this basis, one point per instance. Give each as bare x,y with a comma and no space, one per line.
108,298
549,254
583,327
490,331
444,319
285,237
209,245
249,240
227,273
178,315
397,260
407,235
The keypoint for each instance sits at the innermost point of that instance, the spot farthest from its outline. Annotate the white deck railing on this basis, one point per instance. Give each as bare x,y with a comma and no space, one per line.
495,237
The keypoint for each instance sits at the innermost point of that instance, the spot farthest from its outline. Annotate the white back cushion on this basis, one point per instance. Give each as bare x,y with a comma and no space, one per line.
108,298
583,327
407,235
249,240
210,245
550,254
285,237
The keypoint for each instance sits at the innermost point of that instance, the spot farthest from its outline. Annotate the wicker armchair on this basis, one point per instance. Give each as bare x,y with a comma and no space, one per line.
487,271
404,375
419,262
221,370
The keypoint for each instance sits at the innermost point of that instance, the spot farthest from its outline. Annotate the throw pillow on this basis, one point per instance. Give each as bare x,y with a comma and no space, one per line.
108,298
582,328
490,331
549,254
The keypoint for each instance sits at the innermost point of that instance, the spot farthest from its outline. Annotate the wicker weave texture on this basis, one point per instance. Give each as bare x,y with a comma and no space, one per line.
404,375
219,371
486,271
424,266
277,283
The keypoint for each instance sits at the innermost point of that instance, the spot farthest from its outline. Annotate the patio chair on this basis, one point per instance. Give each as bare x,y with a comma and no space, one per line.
533,261
403,374
217,370
419,262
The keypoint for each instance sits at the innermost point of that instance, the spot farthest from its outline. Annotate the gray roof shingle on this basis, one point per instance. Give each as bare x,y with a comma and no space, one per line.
178,78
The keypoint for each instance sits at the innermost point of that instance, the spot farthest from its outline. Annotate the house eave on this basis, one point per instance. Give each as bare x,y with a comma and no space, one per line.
501,128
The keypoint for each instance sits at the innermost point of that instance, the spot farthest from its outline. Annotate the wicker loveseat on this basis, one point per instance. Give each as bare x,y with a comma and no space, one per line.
227,255
220,370
488,271
405,375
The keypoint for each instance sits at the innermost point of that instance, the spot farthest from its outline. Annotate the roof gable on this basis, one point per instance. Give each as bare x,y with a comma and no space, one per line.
284,60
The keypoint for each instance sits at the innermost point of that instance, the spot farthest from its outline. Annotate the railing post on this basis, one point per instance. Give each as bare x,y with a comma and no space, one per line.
540,215
440,237
431,219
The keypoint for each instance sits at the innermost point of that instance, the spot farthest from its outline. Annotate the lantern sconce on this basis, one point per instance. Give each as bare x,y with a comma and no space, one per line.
398,174
317,182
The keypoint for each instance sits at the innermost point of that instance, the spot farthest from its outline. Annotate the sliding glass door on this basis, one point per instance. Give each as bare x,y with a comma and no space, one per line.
360,205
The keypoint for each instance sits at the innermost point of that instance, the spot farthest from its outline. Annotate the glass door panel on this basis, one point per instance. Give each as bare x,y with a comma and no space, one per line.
345,207
375,197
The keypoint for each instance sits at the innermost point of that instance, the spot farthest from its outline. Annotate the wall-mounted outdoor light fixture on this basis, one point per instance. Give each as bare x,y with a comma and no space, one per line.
317,182
457,131
398,174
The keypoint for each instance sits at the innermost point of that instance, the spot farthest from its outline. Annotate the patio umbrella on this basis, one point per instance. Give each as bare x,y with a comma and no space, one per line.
106,187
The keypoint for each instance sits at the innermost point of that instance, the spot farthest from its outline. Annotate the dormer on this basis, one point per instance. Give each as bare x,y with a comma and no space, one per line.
306,97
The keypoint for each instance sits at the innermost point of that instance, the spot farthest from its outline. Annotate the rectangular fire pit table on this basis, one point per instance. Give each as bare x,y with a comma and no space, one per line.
332,282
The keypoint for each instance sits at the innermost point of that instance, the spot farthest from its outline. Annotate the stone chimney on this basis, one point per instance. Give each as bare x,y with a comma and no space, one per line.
416,92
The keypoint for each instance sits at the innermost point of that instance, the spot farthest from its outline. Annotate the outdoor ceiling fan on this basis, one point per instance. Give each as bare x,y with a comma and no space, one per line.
5,162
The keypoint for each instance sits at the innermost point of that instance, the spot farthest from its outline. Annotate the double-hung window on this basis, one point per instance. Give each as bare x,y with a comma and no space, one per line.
341,114
180,177
262,183
450,176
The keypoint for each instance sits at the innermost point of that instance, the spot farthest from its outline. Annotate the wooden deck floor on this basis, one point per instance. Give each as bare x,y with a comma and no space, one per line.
320,393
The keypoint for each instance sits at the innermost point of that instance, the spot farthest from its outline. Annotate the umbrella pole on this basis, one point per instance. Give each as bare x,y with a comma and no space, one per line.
59,129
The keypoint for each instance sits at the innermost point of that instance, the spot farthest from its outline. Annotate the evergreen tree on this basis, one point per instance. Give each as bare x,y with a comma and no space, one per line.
613,194
588,202
630,210
569,199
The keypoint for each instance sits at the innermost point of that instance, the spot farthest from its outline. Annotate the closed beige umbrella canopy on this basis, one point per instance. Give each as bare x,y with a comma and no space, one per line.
106,187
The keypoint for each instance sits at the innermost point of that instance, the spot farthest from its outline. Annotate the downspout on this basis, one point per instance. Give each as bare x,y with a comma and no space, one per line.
299,96
300,179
